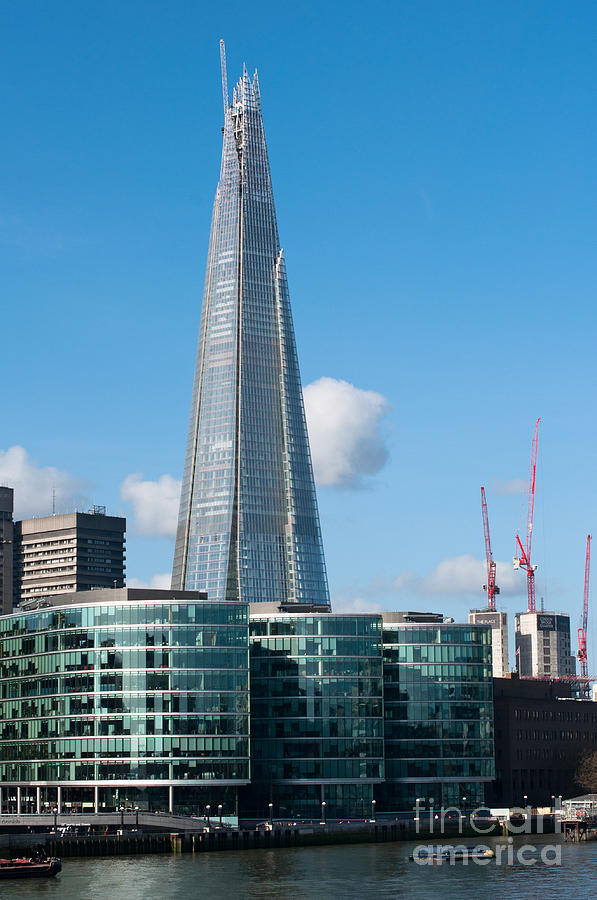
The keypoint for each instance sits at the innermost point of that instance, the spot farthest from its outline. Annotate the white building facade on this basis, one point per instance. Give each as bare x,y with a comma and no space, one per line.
543,644
499,637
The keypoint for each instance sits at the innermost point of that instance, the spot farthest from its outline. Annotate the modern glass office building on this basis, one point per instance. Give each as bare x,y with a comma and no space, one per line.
438,700
316,714
124,697
248,525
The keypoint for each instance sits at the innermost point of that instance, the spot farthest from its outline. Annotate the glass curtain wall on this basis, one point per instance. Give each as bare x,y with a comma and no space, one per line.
135,692
249,524
316,715
438,697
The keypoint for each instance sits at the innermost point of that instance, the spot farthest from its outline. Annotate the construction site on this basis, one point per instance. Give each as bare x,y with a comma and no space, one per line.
542,640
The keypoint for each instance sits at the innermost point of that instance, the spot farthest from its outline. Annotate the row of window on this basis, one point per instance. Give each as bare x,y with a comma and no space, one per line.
323,666
315,687
175,660
431,691
560,715
134,704
319,769
199,680
483,728
425,712
440,768
138,747
311,707
189,636
409,672
445,749
436,634
438,653
114,726
315,646
131,770
327,625
553,735
179,613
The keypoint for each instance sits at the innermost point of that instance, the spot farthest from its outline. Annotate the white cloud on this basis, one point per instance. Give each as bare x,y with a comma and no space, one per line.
344,423
457,577
33,485
406,581
465,575
155,504
157,582
343,604
511,488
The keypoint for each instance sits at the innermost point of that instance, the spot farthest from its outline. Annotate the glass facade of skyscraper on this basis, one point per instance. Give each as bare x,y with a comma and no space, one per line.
136,700
248,525
438,702
316,714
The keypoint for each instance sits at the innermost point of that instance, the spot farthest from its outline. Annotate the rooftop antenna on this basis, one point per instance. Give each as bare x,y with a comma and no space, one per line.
224,77
53,501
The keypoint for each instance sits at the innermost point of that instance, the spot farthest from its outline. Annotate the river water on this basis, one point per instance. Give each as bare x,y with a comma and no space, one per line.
359,871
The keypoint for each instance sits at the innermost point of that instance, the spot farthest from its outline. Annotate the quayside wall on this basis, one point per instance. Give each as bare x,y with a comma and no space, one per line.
209,841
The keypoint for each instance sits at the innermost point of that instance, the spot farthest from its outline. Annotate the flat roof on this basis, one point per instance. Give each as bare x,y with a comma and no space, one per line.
109,595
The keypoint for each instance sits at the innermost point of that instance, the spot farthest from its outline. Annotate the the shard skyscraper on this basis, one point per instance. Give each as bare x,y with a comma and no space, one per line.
248,525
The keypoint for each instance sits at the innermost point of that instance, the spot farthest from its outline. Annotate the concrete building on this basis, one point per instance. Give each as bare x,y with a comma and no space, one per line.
6,549
541,732
55,555
543,644
499,637
126,697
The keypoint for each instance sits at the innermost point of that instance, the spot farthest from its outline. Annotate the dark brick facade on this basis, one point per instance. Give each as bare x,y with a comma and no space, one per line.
541,732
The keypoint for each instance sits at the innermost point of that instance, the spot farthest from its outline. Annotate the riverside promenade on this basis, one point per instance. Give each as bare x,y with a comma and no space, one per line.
107,835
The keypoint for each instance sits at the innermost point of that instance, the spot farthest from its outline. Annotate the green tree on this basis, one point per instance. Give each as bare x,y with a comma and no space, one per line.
586,772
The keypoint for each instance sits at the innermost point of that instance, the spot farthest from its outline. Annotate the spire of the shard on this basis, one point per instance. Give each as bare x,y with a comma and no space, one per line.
248,525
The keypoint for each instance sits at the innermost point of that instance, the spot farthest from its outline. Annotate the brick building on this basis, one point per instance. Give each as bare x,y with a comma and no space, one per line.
541,732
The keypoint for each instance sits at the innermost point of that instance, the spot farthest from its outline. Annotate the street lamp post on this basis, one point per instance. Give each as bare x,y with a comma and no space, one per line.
207,809
220,813
136,816
271,814
373,803
323,817
122,817
55,813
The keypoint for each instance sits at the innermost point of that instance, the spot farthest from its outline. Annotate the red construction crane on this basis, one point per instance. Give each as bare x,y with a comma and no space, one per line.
524,560
491,587
582,632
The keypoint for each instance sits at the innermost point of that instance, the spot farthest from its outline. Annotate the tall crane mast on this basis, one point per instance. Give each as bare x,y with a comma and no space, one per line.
582,632
523,561
491,587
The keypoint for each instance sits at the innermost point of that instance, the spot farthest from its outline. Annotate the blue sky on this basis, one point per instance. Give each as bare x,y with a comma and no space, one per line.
434,171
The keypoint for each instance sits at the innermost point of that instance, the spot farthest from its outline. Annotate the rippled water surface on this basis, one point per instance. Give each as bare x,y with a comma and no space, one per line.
360,871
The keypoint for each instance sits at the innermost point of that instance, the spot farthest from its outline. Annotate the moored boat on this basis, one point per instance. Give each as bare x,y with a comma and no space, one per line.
30,868
448,853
